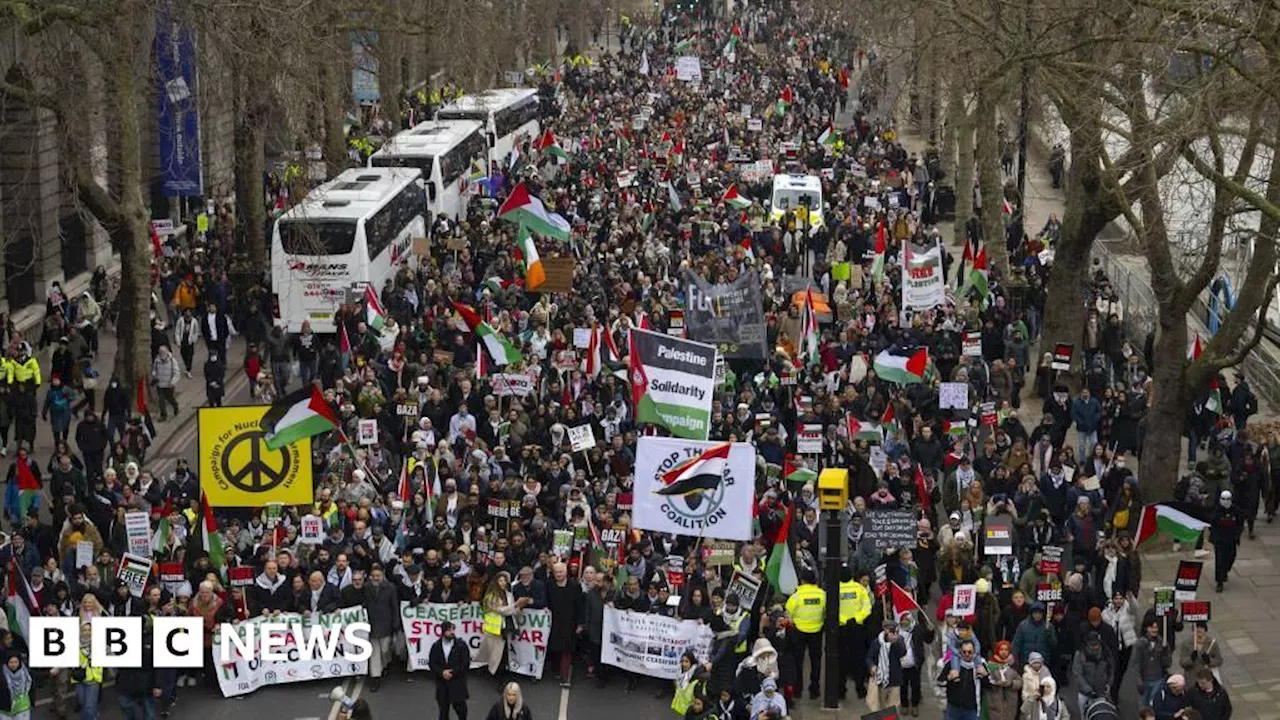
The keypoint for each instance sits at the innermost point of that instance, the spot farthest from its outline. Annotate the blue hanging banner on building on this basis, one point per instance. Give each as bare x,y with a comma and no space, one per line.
364,68
178,107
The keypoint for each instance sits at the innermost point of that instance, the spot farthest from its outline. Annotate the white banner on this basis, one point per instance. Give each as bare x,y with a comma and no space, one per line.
526,653
506,384
247,674
715,504
924,284
651,644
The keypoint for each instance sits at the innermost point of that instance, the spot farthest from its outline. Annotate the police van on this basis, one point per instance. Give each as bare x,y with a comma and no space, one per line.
799,196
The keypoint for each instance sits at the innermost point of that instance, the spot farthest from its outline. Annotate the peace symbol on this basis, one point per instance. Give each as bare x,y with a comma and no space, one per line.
255,476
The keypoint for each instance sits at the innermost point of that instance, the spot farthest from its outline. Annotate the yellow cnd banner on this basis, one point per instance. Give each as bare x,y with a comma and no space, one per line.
238,470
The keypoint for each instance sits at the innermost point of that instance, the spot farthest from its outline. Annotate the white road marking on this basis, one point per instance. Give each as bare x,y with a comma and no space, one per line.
564,703
337,706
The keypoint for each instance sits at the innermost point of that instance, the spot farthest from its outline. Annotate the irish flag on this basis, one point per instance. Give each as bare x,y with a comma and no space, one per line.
300,414
21,603
902,369
209,535
1165,519
549,145
500,349
374,316
534,273
734,200
528,211
28,486
781,569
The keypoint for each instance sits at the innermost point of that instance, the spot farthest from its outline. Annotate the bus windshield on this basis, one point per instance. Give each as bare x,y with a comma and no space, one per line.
318,237
784,200
421,162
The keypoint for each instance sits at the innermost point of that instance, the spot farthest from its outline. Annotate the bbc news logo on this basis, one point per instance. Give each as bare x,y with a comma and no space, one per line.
178,642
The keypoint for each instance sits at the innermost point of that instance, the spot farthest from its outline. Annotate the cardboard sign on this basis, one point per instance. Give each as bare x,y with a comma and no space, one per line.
562,543
987,411
717,552
972,344
84,554
1196,611
745,587
581,438
137,527
953,396
240,576
1062,354
964,600
507,384
1051,560
559,271
368,431
1188,580
1048,592
133,572
442,357
311,530
809,439
890,528
998,531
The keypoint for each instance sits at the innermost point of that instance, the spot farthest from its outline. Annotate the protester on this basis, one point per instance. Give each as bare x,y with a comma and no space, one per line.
450,661
510,706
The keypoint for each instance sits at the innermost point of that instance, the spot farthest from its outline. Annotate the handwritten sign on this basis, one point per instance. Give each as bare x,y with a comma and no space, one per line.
953,396
890,528
581,438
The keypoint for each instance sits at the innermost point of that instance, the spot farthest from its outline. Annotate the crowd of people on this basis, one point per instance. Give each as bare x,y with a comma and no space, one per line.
1061,609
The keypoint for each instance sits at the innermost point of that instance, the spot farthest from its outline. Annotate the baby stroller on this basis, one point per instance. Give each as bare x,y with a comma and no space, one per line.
1101,709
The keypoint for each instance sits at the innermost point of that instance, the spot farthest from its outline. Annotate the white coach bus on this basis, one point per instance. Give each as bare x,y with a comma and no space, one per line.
346,233
506,113
443,151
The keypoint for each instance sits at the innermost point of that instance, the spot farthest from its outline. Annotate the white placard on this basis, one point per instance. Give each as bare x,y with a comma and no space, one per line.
651,644
689,68
626,178
507,384
137,527
581,438
163,228
964,600
526,651
84,554
746,110
581,337
809,439
953,396
368,431
755,124
311,530
877,460
246,674
720,510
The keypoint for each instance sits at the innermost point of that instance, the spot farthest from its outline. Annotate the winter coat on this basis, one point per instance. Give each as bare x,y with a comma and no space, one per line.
1152,658
1191,660
1213,705
382,602
1004,692
1092,674
1123,621
1032,636
568,610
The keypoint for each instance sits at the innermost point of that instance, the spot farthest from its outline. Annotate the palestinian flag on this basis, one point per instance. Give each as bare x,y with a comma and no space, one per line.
864,430
781,568
809,328
300,414
534,274
902,369
164,530
1165,519
735,36
698,475
501,349
828,136
882,247
745,243
978,273
496,284
374,315
591,365
548,144
482,363
1196,349
148,426
922,491
28,486
610,352
528,211
1007,210
903,602
955,429
673,198
734,200
797,473
889,420
785,99
344,342
684,45
1214,403
21,602
209,536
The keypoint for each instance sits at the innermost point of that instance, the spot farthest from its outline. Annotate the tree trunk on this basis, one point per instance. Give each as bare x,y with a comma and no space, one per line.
250,139
1162,448
962,126
953,114
335,144
992,189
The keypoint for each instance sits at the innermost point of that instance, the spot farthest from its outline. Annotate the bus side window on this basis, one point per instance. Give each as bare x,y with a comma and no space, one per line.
493,139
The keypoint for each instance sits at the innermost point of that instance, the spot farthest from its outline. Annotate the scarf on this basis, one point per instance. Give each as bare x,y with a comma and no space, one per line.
19,688
882,677
972,667
1109,575
963,479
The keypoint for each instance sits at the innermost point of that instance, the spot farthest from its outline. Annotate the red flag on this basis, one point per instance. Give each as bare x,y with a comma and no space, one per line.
903,602
344,342
26,479
922,492
155,242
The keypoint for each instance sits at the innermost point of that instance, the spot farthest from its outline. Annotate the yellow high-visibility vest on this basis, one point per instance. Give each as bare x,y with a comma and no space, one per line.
807,608
91,674
855,602
492,623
